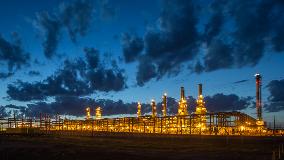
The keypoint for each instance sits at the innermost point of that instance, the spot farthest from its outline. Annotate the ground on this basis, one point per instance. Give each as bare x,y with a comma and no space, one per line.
136,147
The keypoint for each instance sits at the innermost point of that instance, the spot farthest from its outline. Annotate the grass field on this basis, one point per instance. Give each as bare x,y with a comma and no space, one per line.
136,147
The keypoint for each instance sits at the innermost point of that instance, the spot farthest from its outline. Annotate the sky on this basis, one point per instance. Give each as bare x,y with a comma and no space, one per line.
58,56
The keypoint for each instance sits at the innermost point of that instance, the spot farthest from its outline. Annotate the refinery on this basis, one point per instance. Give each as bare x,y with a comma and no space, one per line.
200,122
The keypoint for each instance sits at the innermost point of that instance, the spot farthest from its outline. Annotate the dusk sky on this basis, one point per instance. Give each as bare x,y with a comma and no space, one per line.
61,56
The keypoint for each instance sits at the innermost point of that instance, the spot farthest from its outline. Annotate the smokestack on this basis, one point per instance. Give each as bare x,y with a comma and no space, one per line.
164,110
182,93
258,96
199,89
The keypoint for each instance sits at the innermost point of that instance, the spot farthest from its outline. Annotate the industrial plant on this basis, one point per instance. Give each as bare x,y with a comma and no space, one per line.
199,122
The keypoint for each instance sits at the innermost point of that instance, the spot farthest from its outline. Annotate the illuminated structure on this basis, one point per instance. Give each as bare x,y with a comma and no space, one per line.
154,108
139,109
98,113
260,121
200,109
182,109
88,113
199,122
164,105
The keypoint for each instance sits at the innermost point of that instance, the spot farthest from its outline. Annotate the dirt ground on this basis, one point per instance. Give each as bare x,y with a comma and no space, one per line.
136,147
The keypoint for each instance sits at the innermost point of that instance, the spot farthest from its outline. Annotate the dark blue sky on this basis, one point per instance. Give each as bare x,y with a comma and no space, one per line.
133,50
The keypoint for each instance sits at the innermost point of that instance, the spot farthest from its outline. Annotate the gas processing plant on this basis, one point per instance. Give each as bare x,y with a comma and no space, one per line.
199,122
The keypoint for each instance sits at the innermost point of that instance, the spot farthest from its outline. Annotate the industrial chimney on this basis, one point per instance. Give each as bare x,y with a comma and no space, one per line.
258,97
199,89
164,105
182,93
182,109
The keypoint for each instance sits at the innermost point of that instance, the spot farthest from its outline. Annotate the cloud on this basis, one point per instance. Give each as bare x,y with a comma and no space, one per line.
241,81
226,34
276,98
215,24
92,56
75,78
220,102
64,82
108,11
176,38
73,105
146,71
218,56
132,47
6,75
3,112
50,27
75,17
13,54
34,73
172,42
250,30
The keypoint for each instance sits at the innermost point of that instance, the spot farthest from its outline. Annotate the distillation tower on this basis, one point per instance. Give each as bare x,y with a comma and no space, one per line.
139,109
200,109
88,113
182,110
154,108
98,113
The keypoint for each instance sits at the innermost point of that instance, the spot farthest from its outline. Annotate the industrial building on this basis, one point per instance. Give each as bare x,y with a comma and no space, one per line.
200,122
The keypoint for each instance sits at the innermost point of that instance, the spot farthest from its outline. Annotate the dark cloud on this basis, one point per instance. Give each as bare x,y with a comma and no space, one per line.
218,56
73,105
233,34
198,68
146,71
64,82
6,75
75,78
12,106
107,80
50,27
13,54
34,73
214,26
108,11
278,40
174,42
132,47
221,102
276,98
92,56
255,25
75,16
